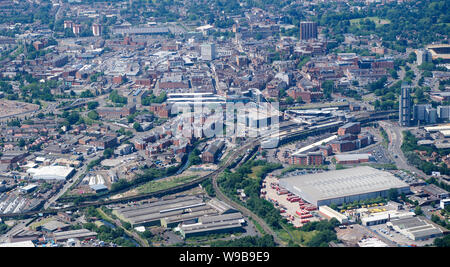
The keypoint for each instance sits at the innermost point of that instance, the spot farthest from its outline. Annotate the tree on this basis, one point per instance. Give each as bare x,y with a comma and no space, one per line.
393,194
22,142
108,153
86,94
137,126
418,211
93,115
92,105
327,87
289,100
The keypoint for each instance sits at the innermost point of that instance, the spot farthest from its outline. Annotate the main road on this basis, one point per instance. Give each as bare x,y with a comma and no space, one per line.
395,135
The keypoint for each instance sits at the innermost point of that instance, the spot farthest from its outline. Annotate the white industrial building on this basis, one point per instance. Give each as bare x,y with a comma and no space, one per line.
415,228
331,213
343,186
384,217
51,173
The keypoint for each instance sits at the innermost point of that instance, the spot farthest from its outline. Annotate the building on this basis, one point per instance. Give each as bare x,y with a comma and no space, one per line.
405,105
210,154
96,29
310,158
76,28
81,234
435,191
22,244
443,113
208,52
51,173
343,186
425,113
352,158
308,30
423,56
444,203
415,228
29,188
384,217
350,128
225,223
167,212
331,213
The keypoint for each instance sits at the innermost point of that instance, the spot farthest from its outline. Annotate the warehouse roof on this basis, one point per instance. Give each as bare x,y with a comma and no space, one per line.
346,157
22,244
81,233
341,183
51,172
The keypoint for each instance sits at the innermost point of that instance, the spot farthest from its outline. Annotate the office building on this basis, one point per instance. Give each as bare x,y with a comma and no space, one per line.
405,105
308,30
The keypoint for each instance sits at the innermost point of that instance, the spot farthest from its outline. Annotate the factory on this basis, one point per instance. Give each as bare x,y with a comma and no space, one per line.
171,212
343,186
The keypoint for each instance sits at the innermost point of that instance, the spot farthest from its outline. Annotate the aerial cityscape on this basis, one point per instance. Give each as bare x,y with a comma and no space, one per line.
224,123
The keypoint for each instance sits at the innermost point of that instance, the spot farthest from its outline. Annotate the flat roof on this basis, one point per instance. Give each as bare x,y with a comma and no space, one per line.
344,157
51,172
342,183
22,244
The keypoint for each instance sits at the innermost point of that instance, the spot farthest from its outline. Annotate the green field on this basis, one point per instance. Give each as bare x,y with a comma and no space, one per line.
377,20
162,184
299,237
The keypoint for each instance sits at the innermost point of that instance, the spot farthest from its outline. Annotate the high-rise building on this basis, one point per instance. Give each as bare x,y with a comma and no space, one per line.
208,51
404,116
308,30
443,113
68,24
96,29
425,113
76,29
423,56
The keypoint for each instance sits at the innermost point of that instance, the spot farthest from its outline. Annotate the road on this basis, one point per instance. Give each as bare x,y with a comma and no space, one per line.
66,187
395,135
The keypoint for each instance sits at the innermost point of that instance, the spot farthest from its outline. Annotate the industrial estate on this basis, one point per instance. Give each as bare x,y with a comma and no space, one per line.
210,123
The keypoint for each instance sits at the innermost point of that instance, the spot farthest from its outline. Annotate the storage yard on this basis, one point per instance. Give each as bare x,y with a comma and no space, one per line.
294,209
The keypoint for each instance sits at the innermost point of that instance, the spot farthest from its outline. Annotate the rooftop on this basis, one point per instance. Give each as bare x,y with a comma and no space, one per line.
341,183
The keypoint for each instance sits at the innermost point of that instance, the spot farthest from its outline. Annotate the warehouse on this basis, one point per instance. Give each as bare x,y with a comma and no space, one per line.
170,212
415,228
51,173
384,217
226,223
81,234
343,186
